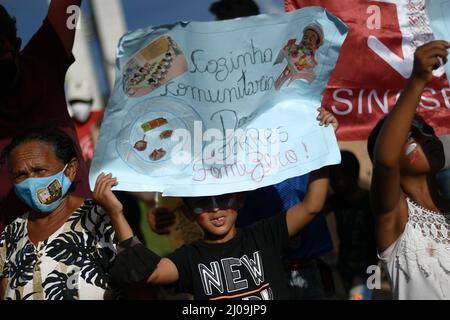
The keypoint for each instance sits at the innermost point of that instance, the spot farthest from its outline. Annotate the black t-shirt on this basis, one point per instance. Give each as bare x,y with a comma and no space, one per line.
247,267
356,230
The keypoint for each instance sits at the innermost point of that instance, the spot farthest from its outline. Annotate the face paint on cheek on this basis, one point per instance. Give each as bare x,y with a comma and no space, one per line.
414,157
412,151
201,217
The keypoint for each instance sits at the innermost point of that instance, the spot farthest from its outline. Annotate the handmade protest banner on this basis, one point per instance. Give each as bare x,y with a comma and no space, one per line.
375,62
439,15
205,108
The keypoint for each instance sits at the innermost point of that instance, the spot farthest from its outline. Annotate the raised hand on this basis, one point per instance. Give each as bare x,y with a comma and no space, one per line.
325,118
427,58
104,196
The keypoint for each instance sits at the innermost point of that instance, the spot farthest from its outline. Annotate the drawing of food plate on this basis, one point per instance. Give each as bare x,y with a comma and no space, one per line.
159,62
145,141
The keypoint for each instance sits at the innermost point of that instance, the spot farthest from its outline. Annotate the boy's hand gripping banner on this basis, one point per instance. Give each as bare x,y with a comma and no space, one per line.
205,108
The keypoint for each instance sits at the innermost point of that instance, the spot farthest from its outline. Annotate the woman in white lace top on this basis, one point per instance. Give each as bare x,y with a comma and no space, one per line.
413,224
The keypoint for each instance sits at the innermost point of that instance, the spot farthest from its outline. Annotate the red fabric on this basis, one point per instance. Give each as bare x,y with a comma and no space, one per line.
362,80
38,99
84,134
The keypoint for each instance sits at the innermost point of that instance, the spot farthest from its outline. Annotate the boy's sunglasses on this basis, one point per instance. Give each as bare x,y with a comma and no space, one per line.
200,205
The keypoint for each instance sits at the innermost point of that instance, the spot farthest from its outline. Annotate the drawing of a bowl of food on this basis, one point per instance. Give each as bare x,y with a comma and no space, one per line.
149,139
158,131
159,62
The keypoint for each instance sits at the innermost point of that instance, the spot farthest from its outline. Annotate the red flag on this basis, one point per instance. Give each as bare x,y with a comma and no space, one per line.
375,62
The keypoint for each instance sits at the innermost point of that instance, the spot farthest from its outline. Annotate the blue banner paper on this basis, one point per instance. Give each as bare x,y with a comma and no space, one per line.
439,16
206,108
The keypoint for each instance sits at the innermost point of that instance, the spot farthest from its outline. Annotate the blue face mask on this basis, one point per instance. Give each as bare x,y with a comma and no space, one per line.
44,194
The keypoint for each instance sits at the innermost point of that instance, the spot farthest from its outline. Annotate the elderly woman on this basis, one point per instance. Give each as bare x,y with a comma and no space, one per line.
63,247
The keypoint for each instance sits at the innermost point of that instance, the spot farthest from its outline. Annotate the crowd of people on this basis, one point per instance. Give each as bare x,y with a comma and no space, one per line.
309,237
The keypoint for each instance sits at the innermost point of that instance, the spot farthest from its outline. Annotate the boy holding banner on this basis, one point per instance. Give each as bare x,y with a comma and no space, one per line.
229,263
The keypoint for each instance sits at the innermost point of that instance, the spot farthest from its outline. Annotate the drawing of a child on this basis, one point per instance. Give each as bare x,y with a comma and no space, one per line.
300,57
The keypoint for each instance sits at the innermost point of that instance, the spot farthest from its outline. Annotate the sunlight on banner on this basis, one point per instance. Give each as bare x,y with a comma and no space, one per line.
205,108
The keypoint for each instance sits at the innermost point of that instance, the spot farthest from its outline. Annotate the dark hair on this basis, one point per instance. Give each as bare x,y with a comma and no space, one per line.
349,164
7,25
62,144
229,9
376,132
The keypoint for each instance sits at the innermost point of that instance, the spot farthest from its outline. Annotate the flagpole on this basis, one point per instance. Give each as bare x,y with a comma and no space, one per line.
111,25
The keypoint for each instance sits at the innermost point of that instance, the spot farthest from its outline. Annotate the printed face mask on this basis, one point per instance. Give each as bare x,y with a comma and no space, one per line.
44,194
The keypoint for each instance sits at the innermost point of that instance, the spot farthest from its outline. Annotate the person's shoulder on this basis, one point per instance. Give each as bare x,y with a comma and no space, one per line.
16,228
89,205
272,231
267,222
195,245
185,251
19,220
93,210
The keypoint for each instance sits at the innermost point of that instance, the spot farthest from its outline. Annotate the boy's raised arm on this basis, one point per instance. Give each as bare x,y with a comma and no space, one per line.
166,272
303,213
134,263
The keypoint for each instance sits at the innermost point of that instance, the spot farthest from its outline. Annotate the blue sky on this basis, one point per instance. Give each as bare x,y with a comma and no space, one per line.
138,14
